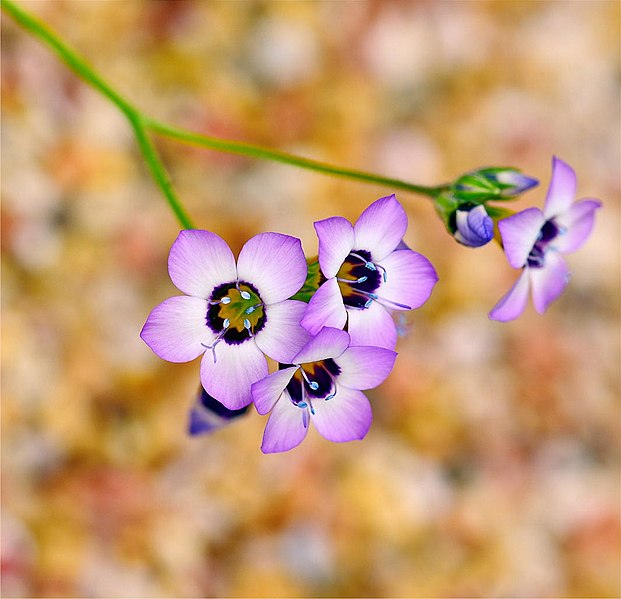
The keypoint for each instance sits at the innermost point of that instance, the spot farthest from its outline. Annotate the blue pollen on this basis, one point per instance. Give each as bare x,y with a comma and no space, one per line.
302,404
226,323
247,323
245,295
313,385
330,396
368,303
362,279
370,266
226,300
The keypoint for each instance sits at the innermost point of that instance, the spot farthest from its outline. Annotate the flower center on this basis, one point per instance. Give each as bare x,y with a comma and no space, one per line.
236,313
549,232
312,381
359,278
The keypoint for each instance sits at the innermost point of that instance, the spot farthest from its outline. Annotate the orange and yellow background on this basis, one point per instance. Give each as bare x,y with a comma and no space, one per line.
492,465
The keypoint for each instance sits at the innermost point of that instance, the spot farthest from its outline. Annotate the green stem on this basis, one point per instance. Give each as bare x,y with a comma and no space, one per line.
134,116
254,151
141,124
158,171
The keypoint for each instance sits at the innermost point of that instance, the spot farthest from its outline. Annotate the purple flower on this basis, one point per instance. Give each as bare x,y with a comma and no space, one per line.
368,275
208,414
237,313
534,241
322,384
473,227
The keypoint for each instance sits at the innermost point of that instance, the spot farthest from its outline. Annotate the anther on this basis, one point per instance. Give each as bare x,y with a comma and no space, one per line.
368,303
252,308
224,300
330,396
370,266
384,273
227,323
248,326
245,295
312,384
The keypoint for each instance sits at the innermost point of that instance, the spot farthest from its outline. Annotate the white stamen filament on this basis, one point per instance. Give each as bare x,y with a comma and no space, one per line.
226,324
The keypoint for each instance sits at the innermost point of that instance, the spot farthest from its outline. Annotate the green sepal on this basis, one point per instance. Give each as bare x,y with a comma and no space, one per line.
314,278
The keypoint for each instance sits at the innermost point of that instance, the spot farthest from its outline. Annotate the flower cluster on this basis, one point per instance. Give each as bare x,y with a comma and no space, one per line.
327,321
329,348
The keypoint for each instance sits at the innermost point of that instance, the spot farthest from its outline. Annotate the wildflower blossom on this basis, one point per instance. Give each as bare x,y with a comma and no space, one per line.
473,226
368,275
322,383
231,313
534,241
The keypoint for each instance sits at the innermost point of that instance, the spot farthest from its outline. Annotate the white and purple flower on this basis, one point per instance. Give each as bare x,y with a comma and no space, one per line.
368,275
322,383
231,313
534,241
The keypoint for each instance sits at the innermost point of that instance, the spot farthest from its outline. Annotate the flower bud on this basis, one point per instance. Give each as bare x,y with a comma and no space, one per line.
473,226
208,414
494,183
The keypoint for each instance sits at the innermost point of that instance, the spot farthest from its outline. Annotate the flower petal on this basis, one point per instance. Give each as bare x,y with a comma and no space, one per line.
519,234
562,190
283,336
230,378
410,277
345,417
265,393
365,367
177,327
578,223
548,282
285,428
512,304
274,264
381,227
336,240
208,414
325,309
199,261
328,343
372,326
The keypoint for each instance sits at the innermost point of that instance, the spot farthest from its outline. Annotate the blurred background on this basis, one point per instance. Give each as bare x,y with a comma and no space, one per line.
492,465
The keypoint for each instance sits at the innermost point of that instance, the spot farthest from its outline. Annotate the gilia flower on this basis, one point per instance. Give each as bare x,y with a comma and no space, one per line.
323,383
473,226
237,313
368,275
534,241
208,414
